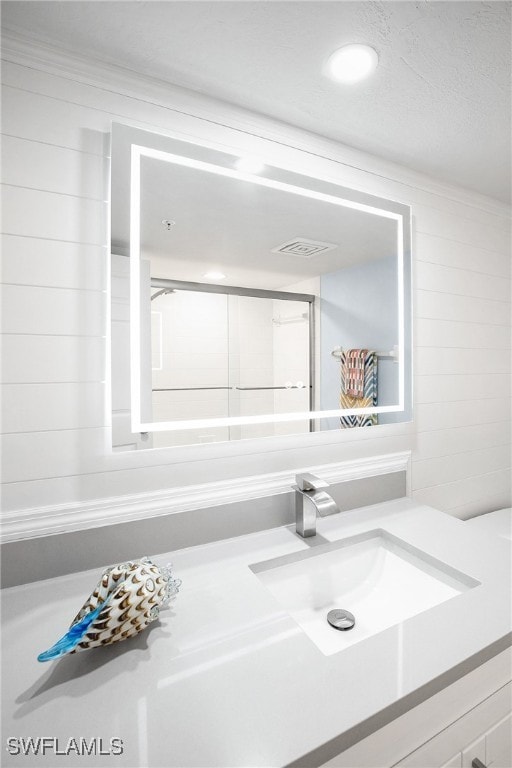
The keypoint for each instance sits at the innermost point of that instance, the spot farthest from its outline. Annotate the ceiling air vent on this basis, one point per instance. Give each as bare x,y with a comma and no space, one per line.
306,249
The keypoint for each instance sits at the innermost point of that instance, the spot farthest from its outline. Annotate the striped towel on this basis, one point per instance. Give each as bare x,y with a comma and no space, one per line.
355,361
358,386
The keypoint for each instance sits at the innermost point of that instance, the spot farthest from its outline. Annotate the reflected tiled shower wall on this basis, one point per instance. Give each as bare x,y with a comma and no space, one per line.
215,356
251,361
190,363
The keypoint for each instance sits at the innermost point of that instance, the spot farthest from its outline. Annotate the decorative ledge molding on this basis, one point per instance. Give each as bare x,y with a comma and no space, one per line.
46,521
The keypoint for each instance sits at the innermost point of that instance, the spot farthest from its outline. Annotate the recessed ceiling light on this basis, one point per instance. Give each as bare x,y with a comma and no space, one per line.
214,275
249,164
352,63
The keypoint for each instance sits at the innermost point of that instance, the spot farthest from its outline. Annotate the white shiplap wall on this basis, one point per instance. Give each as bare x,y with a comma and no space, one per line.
56,124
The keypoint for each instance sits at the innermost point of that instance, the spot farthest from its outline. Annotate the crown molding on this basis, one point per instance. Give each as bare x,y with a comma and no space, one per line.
45,521
37,54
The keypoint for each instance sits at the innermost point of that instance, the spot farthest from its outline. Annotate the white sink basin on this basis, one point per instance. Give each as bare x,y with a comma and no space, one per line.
379,578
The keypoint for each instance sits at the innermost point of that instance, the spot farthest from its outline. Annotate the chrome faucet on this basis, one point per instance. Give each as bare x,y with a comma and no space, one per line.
310,499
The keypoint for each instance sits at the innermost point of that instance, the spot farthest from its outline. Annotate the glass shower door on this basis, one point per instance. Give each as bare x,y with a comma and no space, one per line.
190,361
270,372
219,355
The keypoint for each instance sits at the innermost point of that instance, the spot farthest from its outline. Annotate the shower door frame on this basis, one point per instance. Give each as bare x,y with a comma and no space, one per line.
257,293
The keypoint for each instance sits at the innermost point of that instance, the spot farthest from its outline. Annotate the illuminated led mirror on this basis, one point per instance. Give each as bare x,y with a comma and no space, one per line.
249,300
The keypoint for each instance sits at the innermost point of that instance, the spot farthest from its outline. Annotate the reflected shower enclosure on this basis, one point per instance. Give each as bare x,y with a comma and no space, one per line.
217,353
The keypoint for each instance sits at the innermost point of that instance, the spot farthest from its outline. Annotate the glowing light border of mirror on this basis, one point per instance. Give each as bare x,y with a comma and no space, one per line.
137,152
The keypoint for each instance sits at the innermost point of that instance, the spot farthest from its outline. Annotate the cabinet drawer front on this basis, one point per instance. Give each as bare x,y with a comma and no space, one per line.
498,744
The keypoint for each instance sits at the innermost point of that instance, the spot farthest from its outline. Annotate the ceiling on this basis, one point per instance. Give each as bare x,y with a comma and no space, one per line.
233,225
439,103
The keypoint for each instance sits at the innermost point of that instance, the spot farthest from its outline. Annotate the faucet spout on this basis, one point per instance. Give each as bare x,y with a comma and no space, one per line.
311,500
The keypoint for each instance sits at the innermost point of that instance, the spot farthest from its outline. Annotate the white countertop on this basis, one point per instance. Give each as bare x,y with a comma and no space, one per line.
226,677
498,523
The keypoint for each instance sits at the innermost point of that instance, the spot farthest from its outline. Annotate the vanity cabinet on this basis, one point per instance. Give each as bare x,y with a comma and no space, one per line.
471,718
492,745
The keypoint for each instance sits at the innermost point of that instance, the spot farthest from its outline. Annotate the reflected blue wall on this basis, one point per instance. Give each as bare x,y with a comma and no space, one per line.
359,309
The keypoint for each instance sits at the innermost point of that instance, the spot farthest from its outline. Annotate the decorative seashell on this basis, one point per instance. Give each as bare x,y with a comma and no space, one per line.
127,598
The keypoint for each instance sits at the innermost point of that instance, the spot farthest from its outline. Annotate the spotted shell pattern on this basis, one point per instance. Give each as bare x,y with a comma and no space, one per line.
133,593
137,590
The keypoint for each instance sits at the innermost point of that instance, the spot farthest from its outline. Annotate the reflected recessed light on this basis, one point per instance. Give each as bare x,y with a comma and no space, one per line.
214,275
352,63
249,164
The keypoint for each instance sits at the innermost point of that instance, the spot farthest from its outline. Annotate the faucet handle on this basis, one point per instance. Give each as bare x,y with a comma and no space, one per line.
308,482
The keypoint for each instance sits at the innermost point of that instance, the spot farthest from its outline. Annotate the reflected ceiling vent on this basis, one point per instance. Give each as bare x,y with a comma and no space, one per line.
306,249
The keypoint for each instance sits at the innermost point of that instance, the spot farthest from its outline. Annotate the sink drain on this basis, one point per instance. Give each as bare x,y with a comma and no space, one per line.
340,619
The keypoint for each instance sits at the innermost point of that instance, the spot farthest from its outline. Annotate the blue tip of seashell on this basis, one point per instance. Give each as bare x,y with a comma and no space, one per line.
72,636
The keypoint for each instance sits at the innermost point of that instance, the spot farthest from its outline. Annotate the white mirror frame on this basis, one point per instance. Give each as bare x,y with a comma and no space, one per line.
139,152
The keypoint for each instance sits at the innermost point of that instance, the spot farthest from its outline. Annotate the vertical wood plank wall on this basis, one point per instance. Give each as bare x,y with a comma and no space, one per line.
55,274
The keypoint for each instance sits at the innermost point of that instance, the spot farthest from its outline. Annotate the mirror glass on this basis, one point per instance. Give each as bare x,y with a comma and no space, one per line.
249,300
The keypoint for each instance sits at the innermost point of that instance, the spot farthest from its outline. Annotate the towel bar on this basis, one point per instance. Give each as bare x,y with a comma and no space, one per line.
391,355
